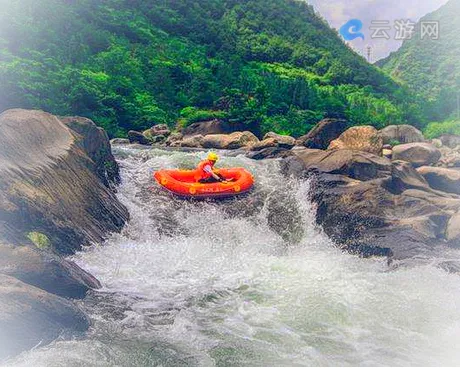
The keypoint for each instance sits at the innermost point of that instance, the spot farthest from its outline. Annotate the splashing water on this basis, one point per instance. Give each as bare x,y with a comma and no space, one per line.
249,281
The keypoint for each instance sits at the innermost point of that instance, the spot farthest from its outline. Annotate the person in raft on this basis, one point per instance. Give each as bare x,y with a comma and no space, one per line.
208,173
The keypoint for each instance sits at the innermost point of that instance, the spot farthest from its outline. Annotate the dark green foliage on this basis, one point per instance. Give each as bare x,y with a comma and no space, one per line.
128,64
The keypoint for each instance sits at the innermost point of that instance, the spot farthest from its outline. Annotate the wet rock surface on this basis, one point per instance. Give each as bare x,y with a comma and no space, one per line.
30,316
57,182
418,154
387,209
323,133
359,138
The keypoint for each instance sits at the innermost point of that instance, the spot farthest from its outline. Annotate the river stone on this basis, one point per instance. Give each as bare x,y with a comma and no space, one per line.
266,143
174,139
323,133
402,134
445,180
269,152
450,157
450,140
359,138
50,185
29,316
46,271
404,177
234,140
355,164
453,230
138,137
195,141
205,128
119,141
284,141
418,154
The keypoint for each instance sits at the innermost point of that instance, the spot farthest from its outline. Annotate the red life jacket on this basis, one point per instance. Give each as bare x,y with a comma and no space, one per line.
200,169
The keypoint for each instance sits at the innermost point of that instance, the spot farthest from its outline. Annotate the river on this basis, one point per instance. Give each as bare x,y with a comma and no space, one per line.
250,281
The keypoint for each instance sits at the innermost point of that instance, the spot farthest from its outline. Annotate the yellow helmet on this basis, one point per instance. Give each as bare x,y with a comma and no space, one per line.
212,156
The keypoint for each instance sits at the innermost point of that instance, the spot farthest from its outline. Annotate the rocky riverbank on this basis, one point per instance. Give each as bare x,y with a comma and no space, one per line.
388,193
57,185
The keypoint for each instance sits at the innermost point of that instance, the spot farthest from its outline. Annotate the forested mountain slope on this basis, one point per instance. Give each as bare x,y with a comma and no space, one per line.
430,67
127,64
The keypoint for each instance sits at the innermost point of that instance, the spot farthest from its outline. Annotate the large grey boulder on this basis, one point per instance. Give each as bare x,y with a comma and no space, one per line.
29,316
45,270
214,126
450,140
402,134
95,143
269,152
376,208
234,140
49,181
354,164
446,180
359,138
283,141
418,154
138,138
323,133
195,141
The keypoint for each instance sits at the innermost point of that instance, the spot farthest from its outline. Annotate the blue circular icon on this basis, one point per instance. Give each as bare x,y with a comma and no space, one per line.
350,30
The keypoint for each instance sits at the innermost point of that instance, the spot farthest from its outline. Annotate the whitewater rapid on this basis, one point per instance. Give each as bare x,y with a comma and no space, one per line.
251,281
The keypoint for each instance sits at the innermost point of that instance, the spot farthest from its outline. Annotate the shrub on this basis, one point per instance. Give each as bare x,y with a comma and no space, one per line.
435,129
190,115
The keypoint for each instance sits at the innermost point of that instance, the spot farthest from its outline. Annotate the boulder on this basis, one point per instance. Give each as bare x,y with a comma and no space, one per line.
234,140
205,128
284,141
95,143
323,133
359,138
195,141
45,270
119,141
354,164
29,316
153,134
418,154
266,143
386,209
450,140
445,180
49,184
404,177
174,139
138,137
450,158
269,152
453,230
402,134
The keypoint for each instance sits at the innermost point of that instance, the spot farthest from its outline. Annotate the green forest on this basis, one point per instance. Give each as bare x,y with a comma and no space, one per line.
261,65
430,69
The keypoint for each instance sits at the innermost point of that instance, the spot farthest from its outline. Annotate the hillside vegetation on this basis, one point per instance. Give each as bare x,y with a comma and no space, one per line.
127,64
431,69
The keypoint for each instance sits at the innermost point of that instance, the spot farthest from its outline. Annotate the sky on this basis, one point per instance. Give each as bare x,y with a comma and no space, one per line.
339,12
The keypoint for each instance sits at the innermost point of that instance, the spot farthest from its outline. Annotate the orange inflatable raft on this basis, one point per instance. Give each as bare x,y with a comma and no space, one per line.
185,183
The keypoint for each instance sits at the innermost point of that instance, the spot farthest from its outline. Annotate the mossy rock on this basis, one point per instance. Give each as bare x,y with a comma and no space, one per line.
40,240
